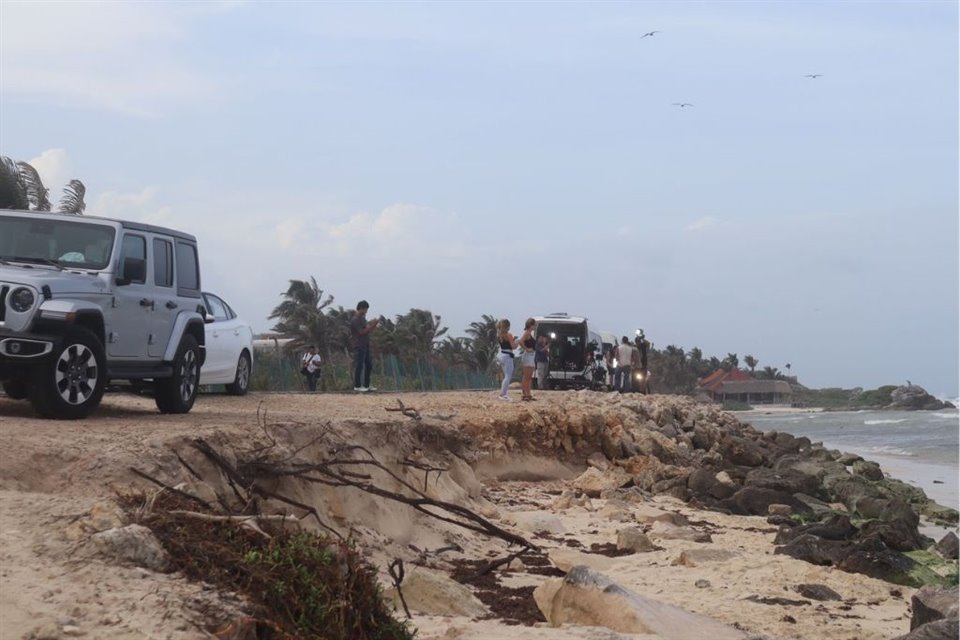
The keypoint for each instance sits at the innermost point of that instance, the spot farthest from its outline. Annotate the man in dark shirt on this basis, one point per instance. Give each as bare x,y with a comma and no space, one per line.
360,332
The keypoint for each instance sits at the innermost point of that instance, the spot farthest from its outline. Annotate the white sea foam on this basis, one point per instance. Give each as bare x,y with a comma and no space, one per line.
952,416
887,450
884,421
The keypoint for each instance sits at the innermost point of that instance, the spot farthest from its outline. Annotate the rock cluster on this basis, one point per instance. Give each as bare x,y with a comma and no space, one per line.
832,508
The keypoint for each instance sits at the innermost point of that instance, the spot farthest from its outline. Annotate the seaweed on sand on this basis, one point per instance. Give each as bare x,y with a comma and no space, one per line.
300,584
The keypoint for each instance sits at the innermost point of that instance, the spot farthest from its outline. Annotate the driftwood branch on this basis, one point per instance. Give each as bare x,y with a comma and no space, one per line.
395,569
410,412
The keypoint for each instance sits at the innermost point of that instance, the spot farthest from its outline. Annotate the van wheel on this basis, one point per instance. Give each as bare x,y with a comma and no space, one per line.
241,381
69,385
15,389
177,393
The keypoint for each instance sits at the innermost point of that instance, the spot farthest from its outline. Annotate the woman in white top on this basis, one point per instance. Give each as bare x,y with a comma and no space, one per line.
505,356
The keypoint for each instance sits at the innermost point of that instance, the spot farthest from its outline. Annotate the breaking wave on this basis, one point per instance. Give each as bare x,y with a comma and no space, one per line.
884,421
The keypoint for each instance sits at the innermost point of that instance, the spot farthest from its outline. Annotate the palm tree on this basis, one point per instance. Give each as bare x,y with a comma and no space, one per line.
770,373
418,330
751,362
483,342
22,188
13,191
454,351
301,318
730,362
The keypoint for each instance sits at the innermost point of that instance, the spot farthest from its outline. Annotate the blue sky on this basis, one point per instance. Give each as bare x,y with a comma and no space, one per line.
521,158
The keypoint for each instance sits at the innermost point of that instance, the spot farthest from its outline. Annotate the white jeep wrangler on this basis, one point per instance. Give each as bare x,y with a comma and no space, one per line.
85,301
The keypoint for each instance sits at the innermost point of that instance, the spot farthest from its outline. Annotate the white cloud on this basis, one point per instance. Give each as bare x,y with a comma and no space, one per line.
116,56
702,224
55,170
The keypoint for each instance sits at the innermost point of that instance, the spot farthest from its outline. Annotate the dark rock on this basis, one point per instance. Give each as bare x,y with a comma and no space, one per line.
933,603
896,534
817,592
939,513
742,451
912,397
848,459
703,482
873,558
701,583
838,527
782,521
756,501
849,489
939,630
947,547
868,469
820,508
787,480
704,437
814,550
787,443
893,488
887,510
822,454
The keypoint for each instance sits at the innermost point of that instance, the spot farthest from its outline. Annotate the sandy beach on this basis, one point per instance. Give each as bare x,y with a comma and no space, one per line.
521,466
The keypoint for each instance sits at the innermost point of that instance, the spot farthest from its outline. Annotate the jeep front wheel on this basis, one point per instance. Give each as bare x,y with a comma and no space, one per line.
69,385
177,393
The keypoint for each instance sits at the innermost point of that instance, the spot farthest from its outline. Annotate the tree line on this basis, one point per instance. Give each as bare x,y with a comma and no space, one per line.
307,316
22,188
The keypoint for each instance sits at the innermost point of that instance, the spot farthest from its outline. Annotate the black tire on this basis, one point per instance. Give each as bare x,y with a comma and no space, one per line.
177,393
241,381
15,389
69,384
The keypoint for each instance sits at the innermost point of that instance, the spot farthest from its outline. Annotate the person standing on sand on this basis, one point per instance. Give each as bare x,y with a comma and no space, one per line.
310,366
505,357
360,331
643,346
529,359
624,359
542,360
608,359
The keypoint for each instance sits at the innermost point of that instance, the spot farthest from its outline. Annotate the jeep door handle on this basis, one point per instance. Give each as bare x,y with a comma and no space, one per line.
171,304
144,302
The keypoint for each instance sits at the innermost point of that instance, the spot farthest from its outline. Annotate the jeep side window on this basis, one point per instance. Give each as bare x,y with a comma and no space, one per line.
133,259
162,263
188,283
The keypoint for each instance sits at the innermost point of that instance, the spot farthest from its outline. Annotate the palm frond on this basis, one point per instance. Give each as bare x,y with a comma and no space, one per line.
36,192
13,191
72,200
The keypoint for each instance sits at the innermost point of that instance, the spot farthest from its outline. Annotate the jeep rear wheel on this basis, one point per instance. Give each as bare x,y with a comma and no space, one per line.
69,385
15,389
241,382
177,393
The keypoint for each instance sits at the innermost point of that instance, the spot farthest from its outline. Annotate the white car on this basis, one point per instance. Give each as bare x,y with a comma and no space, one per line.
229,343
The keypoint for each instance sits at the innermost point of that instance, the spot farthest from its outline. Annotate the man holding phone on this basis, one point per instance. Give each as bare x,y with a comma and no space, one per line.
360,331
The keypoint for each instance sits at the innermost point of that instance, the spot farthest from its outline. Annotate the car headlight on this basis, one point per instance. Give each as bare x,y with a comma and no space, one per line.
21,299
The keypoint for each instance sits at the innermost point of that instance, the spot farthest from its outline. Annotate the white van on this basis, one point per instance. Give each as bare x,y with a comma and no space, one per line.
571,346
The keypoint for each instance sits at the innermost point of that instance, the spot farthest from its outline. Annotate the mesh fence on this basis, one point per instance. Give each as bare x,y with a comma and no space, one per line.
277,371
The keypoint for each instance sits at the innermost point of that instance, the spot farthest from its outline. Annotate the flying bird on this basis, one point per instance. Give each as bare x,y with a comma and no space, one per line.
682,104
813,76
649,34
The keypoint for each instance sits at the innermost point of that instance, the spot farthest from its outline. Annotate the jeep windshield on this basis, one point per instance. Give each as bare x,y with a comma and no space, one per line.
58,243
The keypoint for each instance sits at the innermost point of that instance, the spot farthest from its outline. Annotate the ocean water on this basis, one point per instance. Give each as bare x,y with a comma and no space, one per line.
918,447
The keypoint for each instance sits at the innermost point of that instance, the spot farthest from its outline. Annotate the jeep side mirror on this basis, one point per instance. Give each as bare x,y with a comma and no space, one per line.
133,270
